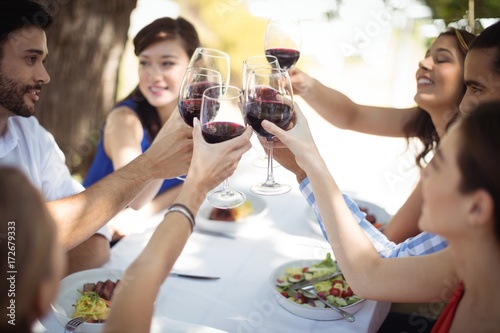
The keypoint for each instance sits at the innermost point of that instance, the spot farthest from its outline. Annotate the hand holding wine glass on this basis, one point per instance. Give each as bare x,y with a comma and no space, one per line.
269,97
194,83
222,119
249,64
283,40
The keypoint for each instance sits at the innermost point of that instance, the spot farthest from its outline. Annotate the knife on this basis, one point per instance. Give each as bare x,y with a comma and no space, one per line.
306,283
215,233
196,277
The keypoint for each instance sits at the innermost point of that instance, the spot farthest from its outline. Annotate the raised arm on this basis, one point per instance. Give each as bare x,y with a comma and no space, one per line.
365,271
404,224
133,301
341,111
81,215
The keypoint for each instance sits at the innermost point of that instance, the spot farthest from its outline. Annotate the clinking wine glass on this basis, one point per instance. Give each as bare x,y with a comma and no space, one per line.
194,83
283,40
251,63
212,59
256,62
269,96
222,119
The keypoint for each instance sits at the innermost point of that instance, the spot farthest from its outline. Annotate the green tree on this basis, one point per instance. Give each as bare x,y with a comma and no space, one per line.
229,26
453,10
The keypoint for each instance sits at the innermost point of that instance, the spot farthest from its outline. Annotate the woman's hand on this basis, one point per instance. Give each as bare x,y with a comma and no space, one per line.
285,157
298,139
301,82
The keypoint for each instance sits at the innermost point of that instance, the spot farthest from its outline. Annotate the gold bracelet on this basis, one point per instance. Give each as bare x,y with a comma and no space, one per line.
177,207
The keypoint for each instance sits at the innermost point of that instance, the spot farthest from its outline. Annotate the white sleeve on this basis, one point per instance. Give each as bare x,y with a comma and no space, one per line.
57,181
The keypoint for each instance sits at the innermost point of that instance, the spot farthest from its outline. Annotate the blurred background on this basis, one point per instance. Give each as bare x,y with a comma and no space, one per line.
367,49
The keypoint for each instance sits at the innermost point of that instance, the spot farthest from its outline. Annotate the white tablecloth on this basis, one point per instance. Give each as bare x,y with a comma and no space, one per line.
241,300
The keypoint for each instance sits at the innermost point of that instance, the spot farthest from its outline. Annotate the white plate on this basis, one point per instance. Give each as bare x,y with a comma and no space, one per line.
202,219
68,294
303,310
380,213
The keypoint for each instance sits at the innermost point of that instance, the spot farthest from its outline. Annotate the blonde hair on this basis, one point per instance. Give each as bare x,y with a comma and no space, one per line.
27,241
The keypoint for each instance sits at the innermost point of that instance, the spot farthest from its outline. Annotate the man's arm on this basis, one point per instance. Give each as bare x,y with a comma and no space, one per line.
92,253
81,215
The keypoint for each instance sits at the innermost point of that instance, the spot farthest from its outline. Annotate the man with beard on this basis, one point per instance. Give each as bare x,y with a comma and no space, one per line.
26,145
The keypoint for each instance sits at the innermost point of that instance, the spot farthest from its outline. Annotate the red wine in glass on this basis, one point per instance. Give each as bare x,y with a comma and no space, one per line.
274,111
219,131
268,96
286,57
221,120
190,107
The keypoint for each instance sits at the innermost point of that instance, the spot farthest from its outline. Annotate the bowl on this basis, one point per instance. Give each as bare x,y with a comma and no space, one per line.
304,310
380,213
68,294
259,209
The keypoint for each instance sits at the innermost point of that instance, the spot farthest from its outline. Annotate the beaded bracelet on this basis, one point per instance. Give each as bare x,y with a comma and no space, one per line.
177,207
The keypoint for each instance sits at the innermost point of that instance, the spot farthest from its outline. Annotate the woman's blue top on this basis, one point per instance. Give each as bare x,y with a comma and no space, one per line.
103,166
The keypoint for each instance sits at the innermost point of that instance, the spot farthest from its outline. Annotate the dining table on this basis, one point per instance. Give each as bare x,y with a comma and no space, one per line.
242,299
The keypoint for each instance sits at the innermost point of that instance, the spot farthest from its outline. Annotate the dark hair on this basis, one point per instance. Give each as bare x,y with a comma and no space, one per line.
17,14
31,233
421,125
159,30
478,157
489,38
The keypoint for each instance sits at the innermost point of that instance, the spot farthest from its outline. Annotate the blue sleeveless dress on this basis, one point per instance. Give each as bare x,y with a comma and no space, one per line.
103,166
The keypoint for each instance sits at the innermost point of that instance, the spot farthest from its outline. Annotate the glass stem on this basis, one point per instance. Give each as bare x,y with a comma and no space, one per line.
270,173
226,192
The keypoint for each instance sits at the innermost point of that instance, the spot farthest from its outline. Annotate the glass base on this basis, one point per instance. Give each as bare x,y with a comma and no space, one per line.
226,199
270,189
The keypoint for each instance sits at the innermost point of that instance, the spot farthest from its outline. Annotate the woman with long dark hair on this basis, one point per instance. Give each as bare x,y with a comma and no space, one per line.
164,48
440,88
461,200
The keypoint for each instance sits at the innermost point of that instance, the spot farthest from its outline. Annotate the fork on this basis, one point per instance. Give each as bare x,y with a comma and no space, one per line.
312,292
71,325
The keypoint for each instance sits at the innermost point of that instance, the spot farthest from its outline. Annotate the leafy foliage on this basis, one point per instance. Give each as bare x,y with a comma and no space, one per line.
453,10
229,26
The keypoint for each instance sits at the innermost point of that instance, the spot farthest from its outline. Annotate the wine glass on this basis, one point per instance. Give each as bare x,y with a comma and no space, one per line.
194,83
269,96
249,64
222,119
258,61
283,40
212,59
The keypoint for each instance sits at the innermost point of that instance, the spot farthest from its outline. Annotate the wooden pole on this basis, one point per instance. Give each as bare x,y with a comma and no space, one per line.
471,16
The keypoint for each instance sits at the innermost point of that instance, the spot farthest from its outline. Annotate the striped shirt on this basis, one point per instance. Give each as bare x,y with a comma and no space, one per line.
423,243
